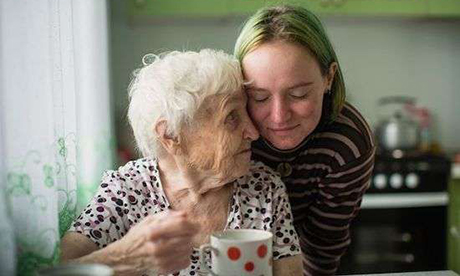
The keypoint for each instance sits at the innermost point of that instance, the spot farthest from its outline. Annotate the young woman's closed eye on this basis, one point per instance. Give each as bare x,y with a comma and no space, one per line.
299,93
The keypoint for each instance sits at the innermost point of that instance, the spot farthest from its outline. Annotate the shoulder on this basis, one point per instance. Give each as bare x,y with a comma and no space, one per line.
131,174
261,179
349,137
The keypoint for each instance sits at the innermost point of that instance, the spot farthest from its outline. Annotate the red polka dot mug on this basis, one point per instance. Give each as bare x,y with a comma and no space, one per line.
239,252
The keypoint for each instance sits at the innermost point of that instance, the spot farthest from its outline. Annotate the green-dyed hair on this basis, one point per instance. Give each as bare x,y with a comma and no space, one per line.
295,25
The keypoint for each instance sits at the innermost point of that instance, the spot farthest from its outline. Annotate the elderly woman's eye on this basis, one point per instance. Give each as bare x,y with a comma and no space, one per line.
231,117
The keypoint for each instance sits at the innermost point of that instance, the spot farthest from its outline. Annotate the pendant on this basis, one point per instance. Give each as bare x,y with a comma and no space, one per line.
284,169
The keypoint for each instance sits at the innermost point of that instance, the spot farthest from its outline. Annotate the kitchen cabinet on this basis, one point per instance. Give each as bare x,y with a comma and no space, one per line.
453,237
244,7
203,9
195,9
444,8
410,8
365,7
176,9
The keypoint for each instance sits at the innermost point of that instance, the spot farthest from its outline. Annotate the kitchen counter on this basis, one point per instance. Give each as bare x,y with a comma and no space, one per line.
421,273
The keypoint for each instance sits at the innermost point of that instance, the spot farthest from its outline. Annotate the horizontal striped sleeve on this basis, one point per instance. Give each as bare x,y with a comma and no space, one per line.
325,230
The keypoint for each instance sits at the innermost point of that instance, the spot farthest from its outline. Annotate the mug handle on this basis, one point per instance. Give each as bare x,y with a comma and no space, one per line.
203,249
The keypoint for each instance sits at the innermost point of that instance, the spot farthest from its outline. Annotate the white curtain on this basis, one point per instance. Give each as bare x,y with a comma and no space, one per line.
55,128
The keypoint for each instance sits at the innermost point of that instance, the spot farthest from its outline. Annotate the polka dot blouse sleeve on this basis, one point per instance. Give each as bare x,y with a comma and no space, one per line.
104,219
285,239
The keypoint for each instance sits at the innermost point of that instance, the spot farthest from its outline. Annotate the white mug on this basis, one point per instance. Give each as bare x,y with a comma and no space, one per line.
239,252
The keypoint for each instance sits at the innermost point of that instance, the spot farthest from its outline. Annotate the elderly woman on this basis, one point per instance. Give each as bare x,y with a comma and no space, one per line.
188,114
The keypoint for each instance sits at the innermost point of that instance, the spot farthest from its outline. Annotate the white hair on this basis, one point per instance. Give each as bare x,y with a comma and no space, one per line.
173,87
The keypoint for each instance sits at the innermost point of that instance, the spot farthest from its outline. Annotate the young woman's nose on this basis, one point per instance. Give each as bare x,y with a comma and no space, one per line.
280,111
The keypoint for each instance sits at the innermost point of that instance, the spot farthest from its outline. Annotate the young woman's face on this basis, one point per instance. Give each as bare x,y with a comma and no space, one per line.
285,93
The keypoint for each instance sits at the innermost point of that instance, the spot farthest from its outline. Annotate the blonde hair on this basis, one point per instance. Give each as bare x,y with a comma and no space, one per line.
300,26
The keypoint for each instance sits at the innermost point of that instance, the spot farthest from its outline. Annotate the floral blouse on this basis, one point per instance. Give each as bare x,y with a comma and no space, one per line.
134,191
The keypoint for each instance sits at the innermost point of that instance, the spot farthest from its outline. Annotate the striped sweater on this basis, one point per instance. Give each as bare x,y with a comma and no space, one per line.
325,176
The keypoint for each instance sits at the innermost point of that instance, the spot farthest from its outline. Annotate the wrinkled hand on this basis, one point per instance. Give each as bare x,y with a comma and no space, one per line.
161,242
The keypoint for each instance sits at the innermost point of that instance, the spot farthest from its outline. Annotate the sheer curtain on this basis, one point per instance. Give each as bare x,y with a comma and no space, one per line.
55,127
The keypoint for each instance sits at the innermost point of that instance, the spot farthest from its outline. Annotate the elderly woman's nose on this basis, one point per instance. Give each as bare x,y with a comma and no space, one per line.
280,111
250,131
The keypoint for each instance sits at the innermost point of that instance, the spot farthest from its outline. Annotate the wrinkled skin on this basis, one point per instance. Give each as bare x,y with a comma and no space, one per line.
161,242
219,141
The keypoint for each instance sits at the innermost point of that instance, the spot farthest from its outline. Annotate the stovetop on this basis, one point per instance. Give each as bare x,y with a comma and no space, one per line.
416,173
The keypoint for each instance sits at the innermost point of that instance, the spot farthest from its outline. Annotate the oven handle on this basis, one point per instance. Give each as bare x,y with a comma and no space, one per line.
404,200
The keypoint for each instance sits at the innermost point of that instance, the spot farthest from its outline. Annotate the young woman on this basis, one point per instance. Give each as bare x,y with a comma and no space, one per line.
319,143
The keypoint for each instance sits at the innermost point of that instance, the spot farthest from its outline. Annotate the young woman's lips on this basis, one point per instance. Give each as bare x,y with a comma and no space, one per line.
283,131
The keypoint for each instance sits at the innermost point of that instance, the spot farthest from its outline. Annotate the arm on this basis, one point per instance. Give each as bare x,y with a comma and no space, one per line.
76,248
324,236
289,266
286,249
75,245
162,242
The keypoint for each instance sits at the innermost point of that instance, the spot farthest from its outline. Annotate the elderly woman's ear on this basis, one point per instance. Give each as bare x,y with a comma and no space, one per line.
170,143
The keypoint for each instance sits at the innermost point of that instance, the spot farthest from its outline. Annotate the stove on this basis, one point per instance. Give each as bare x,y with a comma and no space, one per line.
403,219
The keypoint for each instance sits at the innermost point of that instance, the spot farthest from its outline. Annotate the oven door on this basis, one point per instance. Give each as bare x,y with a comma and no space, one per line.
397,238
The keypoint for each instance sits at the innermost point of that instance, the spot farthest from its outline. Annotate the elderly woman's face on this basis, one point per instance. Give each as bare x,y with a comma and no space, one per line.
220,139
